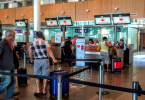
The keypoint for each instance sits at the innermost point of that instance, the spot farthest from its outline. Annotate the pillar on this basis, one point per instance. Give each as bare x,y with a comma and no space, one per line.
24,3
115,34
82,30
37,23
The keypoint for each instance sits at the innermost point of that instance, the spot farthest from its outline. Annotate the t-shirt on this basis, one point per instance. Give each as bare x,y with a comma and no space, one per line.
67,46
73,41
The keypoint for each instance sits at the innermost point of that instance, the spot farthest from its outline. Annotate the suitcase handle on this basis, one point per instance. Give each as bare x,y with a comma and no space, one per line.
57,66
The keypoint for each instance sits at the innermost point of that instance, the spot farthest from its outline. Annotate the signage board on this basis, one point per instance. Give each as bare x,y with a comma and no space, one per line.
121,18
17,31
51,21
65,21
102,19
80,30
21,23
80,51
57,37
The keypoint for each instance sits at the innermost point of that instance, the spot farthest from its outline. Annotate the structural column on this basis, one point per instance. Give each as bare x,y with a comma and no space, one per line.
37,23
24,3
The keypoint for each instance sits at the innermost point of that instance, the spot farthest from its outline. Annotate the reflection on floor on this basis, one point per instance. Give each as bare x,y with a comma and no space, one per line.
135,72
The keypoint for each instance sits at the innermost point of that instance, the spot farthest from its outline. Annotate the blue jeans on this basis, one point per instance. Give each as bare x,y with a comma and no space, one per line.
7,82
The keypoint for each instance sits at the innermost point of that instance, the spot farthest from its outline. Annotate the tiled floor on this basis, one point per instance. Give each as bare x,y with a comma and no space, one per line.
135,72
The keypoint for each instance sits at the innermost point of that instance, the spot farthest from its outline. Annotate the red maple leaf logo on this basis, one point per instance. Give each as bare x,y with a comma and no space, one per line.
121,19
51,22
102,19
20,23
64,21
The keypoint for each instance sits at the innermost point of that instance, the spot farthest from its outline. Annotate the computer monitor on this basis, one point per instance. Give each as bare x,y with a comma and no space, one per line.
20,23
51,21
65,21
121,18
102,19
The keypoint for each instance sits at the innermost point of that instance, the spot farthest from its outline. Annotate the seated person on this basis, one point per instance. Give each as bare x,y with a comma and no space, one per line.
121,44
90,42
96,42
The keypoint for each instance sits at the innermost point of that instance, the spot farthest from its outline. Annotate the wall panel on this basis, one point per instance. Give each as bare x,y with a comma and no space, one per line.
26,11
138,7
11,16
97,7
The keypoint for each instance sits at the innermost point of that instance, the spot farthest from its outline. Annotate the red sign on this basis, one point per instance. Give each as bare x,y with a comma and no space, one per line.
102,19
82,47
26,32
121,19
20,23
64,21
78,46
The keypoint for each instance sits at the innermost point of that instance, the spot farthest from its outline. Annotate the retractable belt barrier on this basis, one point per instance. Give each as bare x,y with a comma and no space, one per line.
78,81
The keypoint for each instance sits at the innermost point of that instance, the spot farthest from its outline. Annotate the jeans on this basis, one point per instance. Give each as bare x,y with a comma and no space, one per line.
7,82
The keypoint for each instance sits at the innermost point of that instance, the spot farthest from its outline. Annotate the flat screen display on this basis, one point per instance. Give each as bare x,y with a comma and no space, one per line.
20,23
66,21
121,18
51,21
102,19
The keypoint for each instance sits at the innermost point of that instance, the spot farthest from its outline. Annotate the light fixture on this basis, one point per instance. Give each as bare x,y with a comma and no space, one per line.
41,13
6,16
116,8
62,12
87,10
22,15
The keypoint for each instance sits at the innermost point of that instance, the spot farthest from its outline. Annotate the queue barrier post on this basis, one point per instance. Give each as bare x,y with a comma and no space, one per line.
135,86
59,87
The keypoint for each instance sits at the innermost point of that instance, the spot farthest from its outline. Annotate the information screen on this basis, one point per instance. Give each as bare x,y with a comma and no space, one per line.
21,23
51,21
121,18
102,19
66,21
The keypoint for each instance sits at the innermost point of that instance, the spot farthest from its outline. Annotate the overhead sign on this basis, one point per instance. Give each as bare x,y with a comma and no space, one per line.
102,19
121,18
51,21
66,21
21,23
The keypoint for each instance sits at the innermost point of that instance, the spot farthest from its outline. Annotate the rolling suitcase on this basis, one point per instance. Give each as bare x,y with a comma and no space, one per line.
53,84
22,81
116,64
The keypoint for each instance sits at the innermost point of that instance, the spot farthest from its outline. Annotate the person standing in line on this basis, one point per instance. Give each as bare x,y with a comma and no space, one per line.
41,66
68,49
8,54
104,52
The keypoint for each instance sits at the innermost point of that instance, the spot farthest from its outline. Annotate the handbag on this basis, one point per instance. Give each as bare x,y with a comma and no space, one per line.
99,48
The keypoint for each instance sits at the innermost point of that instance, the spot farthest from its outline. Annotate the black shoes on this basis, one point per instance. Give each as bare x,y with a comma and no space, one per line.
36,94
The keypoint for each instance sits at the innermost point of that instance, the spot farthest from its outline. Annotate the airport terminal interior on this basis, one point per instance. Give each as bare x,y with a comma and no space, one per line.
94,29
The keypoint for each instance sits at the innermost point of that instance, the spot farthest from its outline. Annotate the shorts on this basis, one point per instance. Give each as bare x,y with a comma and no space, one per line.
41,67
105,56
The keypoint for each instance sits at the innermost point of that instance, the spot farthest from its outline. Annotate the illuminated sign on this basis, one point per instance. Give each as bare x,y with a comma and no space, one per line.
102,19
121,19
21,23
51,21
66,21
80,30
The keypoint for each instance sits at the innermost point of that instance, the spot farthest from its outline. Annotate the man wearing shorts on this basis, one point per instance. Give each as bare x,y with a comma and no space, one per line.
41,64
104,51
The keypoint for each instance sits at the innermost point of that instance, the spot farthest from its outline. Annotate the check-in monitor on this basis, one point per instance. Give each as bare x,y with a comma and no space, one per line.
51,21
65,21
102,19
20,23
121,18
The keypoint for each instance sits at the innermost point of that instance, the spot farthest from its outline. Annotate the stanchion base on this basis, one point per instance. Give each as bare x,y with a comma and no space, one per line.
103,93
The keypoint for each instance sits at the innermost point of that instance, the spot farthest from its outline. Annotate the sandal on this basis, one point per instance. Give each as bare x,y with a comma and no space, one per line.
36,94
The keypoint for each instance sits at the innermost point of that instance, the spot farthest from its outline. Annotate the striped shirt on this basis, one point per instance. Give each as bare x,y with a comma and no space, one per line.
39,46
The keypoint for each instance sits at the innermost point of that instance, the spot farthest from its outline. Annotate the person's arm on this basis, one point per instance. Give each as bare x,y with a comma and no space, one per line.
108,44
30,55
51,54
71,48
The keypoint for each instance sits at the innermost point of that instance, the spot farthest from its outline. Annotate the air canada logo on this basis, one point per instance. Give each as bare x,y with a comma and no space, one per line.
102,19
121,19
64,21
51,22
20,23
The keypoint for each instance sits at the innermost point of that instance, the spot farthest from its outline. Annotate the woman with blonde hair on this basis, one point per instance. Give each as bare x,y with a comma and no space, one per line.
96,42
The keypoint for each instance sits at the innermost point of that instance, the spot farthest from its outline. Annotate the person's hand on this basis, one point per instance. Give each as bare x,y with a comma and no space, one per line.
32,60
54,60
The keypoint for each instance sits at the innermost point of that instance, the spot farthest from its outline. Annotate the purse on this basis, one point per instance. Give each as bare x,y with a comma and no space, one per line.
99,48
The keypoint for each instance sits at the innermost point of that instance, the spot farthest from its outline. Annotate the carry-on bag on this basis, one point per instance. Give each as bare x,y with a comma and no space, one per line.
116,64
22,81
53,84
